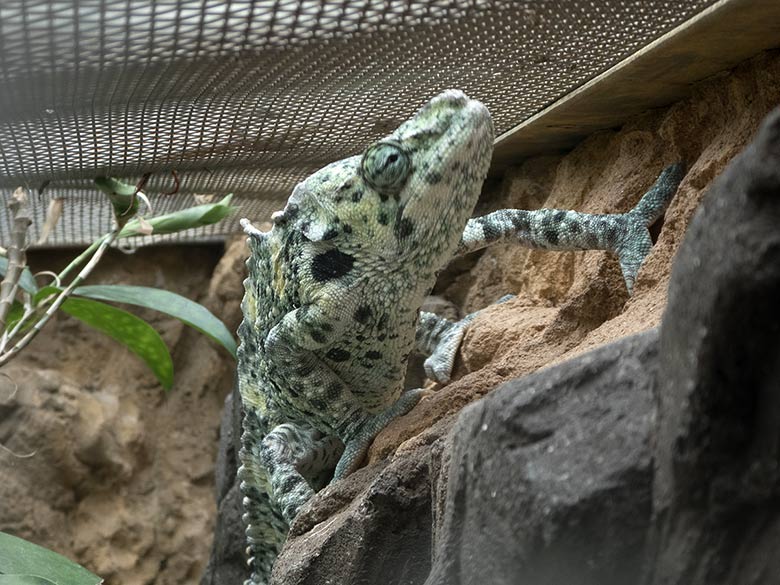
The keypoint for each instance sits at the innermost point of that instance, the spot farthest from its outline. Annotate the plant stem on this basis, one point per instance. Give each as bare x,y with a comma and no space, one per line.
83,256
16,252
104,243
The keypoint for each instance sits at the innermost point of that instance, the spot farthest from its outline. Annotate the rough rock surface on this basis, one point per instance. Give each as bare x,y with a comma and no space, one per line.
717,486
566,305
121,479
551,474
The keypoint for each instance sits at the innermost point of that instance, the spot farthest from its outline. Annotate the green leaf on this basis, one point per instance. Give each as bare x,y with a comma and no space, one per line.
182,308
20,559
26,280
45,293
15,313
24,580
122,196
183,219
137,335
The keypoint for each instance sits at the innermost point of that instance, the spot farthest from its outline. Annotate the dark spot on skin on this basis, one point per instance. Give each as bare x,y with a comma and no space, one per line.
253,374
318,336
381,337
326,327
551,235
330,234
305,226
289,484
357,196
383,197
337,354
520,223
346,186
490,230
318,404
559,216
363,314
383,321
346,228
382,218
304,371
575,227
333,391
373,355
403,225
432,177
330,265
338,199
291,212
360,337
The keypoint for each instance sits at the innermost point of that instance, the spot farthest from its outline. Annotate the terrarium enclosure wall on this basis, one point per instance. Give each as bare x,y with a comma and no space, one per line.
250,96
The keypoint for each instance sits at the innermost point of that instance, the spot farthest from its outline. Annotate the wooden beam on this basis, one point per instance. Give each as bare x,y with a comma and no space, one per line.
716,39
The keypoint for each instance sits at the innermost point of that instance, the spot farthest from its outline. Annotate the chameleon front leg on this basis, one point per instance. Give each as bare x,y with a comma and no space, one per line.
625,234
324,397
553,229
439,339
293,456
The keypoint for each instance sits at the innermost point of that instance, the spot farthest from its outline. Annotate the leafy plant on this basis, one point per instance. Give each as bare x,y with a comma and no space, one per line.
25,563
25,308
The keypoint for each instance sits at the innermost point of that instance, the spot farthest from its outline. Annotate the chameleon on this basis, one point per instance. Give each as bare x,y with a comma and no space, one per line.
331,310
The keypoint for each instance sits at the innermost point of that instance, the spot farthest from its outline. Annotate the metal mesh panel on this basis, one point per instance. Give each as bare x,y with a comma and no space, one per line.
251,96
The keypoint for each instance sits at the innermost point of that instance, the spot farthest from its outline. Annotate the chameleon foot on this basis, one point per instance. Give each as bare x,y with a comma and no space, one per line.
441,362
364,434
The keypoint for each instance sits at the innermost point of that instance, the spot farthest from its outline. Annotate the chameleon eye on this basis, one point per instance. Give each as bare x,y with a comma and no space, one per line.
385,167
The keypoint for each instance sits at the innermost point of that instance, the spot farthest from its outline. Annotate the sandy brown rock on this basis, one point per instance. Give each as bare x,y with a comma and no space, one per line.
121,479
568,303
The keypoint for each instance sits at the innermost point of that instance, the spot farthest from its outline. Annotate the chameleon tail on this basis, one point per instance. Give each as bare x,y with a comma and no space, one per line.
266,528
654,202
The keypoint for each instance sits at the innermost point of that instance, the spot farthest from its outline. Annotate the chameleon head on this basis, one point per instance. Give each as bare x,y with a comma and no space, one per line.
411,191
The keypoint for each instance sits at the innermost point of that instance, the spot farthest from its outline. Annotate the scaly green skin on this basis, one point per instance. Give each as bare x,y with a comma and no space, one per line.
334,290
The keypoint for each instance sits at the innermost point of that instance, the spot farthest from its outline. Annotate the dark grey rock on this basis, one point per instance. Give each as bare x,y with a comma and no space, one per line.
227,563
381,533
229,443
717,488
551,474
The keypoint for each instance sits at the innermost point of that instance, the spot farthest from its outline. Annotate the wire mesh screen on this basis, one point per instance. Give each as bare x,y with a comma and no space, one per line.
250,96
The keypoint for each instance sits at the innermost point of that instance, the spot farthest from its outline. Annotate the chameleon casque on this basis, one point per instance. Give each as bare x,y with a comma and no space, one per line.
332,300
